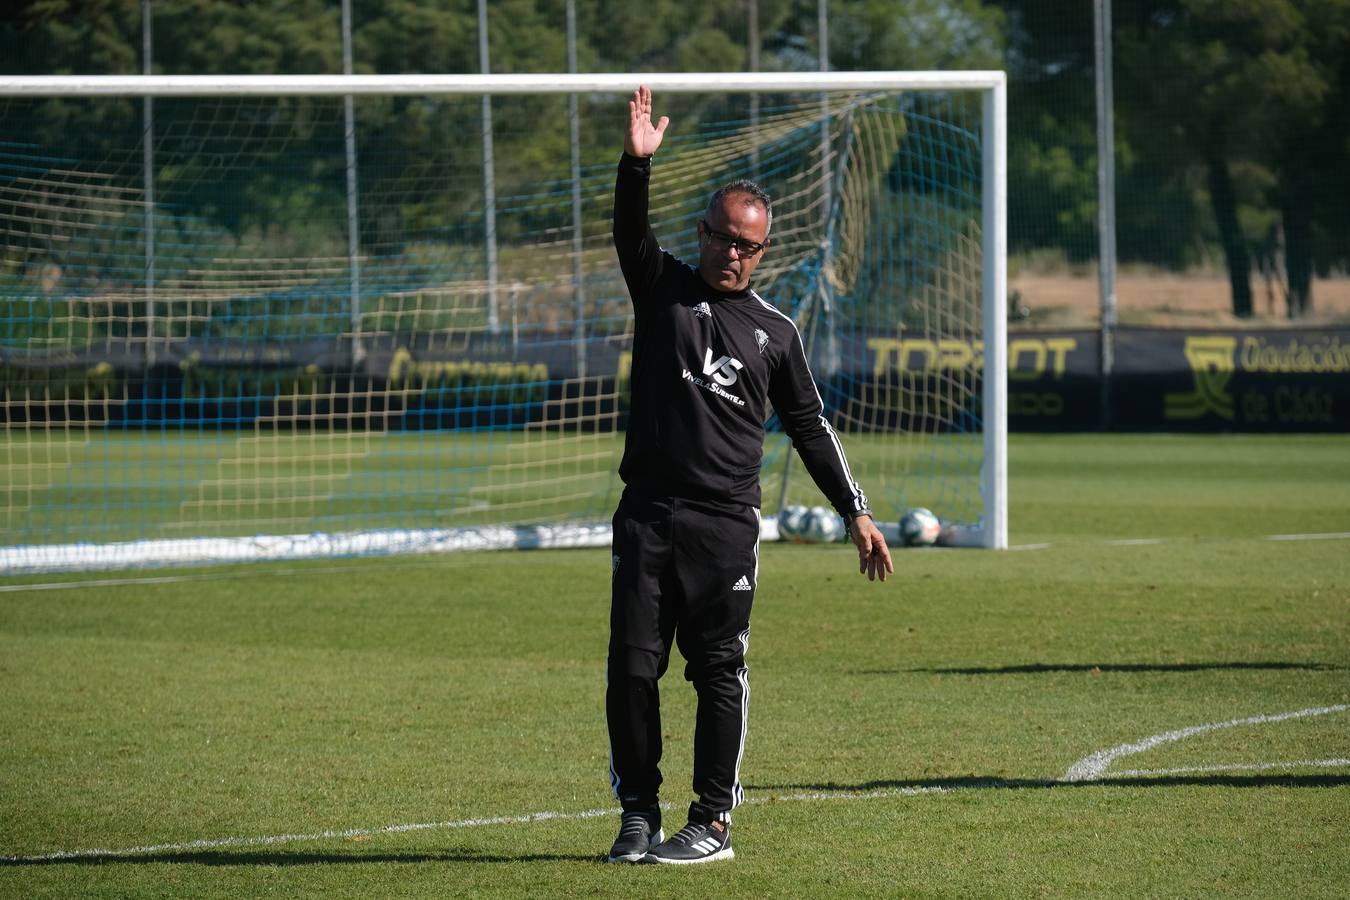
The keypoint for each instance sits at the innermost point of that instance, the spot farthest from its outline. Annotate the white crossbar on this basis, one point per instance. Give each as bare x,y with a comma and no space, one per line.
339,85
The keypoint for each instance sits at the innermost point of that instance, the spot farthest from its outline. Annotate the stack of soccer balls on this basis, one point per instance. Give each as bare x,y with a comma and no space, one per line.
920,528
810,525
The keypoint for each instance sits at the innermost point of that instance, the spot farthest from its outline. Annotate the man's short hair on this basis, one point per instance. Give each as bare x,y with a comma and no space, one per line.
750,189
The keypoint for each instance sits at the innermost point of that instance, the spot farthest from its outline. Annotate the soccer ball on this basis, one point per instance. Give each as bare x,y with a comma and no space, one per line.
920,528
791,522
823,526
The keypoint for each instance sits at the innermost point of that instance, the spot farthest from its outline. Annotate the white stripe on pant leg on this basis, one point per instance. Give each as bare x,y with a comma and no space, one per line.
742,675
738,790
613,773
759,524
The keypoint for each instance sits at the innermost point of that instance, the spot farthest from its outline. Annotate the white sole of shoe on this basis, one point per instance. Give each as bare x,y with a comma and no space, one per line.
637,857
728,853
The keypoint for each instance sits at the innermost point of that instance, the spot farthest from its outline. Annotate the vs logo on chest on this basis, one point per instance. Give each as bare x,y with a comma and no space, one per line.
723,369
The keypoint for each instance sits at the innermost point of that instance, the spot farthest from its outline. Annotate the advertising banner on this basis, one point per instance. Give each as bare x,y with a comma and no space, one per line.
1163,380
1296,380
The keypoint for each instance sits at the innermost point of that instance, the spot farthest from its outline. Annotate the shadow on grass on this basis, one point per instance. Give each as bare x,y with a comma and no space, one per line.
1042,668
297,858
976,782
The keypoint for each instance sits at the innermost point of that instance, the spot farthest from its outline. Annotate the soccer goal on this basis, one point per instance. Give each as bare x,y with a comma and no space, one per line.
271,317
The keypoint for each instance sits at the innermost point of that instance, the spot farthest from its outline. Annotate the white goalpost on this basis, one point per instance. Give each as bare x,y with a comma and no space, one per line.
210,351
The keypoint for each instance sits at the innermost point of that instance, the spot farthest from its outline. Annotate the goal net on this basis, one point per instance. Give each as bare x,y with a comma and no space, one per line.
251,318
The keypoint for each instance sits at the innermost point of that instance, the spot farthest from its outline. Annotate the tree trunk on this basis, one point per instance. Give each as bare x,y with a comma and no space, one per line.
1224,201
1297,214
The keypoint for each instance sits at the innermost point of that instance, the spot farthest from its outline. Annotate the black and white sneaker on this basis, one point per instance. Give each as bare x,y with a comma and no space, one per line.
694,843
639,831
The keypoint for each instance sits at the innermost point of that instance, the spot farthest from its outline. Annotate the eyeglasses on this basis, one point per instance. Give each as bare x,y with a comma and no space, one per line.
740,245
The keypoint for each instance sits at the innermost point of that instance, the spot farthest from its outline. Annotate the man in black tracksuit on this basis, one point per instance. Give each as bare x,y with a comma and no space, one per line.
709,356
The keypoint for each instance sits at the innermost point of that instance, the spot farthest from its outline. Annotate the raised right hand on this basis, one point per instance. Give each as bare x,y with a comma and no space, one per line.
643,138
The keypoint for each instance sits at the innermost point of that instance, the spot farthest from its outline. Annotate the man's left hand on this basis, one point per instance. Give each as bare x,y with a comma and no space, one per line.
874,557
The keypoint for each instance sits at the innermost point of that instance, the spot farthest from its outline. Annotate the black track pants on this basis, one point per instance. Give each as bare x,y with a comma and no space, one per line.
683,569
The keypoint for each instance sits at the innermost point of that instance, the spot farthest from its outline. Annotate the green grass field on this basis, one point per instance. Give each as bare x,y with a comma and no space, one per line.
390,727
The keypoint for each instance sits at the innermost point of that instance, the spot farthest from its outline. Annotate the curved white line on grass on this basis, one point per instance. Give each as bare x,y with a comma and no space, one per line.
1095,764
1091,768
226,843
1231,767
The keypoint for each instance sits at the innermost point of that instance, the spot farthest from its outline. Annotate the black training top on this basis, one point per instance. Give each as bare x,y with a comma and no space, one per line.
706,364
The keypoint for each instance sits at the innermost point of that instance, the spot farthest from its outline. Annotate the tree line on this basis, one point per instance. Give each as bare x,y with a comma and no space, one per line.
1232,116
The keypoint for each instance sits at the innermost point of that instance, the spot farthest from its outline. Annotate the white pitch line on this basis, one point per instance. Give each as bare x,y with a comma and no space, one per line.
1329,536
272,840
102,582
1092,768
235,842
1149,542
1231,767
236,573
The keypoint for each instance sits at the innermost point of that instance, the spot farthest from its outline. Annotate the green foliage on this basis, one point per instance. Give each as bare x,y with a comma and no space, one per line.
1261,84
70,37
1053,202
224,37
413,36
669,35
916,35
1245,84
706,48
